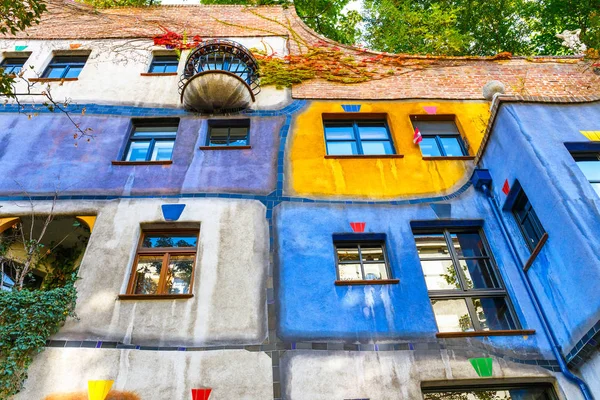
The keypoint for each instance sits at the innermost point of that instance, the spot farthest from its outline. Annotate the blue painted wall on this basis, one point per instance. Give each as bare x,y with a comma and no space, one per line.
39,156
527,144
311,307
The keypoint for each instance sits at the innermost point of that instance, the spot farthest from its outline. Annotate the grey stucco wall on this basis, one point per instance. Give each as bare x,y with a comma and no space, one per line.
397,375
232,374
229,300
590,372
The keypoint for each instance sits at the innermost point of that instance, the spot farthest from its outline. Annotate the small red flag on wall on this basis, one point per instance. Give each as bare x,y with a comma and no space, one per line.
358,226
201,394
417,138
506,187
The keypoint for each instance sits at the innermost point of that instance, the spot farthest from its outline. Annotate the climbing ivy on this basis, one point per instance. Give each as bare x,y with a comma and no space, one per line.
27,320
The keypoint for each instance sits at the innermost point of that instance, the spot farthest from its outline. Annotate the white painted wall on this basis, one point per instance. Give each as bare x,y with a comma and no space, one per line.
397,375
232,374
112,72
590,372
229,303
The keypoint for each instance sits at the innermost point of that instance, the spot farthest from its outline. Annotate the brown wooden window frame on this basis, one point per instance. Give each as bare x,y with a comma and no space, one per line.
166,252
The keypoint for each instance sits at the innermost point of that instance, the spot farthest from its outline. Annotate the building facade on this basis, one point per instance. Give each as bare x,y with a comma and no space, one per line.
404,237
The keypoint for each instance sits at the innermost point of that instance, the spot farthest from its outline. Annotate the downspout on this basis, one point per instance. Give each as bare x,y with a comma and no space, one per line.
536,302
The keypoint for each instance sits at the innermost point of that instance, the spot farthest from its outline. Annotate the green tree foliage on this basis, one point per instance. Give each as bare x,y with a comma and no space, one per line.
16,15
478,27
553,16
408,26
27,319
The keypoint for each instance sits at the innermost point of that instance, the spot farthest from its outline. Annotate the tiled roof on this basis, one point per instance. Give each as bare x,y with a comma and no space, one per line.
67,19
443,78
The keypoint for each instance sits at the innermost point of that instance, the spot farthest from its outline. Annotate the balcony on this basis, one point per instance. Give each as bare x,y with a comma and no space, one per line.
220,76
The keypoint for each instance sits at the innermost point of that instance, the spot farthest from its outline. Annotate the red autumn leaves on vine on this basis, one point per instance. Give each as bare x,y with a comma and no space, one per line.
174,41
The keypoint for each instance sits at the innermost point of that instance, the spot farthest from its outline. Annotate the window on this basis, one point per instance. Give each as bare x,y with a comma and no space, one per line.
164,264
222,61
65,67
589,163
164,64
228,133
152,140
370,137
13,65
361,261
466,292
521,392
440,138
528,221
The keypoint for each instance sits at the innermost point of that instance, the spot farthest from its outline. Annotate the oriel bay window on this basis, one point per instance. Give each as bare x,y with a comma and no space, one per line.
164,263
358,137
465,290
528,221
152,140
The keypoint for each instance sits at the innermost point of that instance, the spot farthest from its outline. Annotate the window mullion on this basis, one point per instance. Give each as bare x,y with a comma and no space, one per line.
163,274
439,144
473,313
362,266
357,139
150,150
459,273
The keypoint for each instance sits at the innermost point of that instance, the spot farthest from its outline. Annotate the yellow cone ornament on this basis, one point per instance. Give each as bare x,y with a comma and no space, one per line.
98,390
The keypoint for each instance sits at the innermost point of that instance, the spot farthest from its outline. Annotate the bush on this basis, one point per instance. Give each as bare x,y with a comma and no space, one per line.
27,320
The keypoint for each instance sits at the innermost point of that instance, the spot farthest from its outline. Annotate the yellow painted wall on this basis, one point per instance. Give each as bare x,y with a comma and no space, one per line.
311,174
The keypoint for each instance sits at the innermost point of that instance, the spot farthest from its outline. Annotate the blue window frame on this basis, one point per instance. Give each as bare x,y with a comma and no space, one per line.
152,140
226,62
164,64
441,138
65,67
228,133
13,65
358,137
528,221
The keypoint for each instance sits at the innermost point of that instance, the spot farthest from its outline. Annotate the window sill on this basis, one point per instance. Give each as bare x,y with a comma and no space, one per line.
516,332
166,162
359,156
368,282
535,252
53,79
428,158
225,147
158,74
155,296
